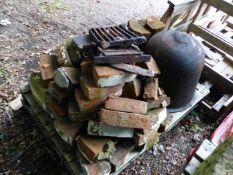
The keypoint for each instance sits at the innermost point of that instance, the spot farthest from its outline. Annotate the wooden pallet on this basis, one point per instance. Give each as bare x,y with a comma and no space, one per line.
71,157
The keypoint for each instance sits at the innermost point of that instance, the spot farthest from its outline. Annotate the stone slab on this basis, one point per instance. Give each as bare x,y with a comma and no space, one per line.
99,129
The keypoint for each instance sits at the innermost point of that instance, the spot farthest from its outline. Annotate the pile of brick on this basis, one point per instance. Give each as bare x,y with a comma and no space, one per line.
106,104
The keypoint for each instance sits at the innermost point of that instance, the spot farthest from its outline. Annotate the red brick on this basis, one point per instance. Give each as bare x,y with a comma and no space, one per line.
92,92
124,119
151,89
105,76
48,65
126,105
85,104
58,111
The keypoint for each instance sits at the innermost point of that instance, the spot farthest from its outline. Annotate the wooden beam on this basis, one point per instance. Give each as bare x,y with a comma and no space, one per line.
211,37
180,2
222,5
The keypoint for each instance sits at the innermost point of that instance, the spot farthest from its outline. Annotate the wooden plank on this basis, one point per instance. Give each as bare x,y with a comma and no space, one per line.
222,5
212,38
180,2
224,84
202,90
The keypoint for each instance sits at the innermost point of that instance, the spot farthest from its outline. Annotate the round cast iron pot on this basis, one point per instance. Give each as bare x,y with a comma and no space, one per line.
180,58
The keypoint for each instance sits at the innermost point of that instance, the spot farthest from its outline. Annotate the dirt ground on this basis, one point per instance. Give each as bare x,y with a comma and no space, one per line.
40,25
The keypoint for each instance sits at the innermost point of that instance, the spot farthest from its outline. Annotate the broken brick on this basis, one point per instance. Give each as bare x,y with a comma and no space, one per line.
86,67
139,27
150,65
126,105
97,168
162,101
58,111
105,76
124,119
93,148
85,104
76,115
139,139
68,130
48,65
151,89
158,116
99,129
92,92
66,77
154,24
133,88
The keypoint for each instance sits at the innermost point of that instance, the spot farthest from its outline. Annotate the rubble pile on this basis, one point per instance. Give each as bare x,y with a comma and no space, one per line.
102,93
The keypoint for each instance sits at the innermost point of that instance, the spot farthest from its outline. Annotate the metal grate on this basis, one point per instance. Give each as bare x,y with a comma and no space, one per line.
115,36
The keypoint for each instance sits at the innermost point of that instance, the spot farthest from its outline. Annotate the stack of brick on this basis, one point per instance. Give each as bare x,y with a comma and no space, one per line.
104,111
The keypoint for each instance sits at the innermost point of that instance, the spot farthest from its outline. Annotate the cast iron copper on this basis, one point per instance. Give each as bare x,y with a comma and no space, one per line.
181,59
115,36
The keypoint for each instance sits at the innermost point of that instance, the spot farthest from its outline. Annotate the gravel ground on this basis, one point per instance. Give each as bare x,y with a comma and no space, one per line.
40,25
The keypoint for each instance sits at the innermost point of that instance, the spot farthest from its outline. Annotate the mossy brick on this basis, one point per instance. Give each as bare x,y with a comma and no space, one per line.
124,119
68,54
149,138
86,67
154,24
85,104
75,114
98,168
100,129
132,89
39,93
105,76
126,105
48,65
138,26
68,131
95,148
152,137
92,92
151,89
